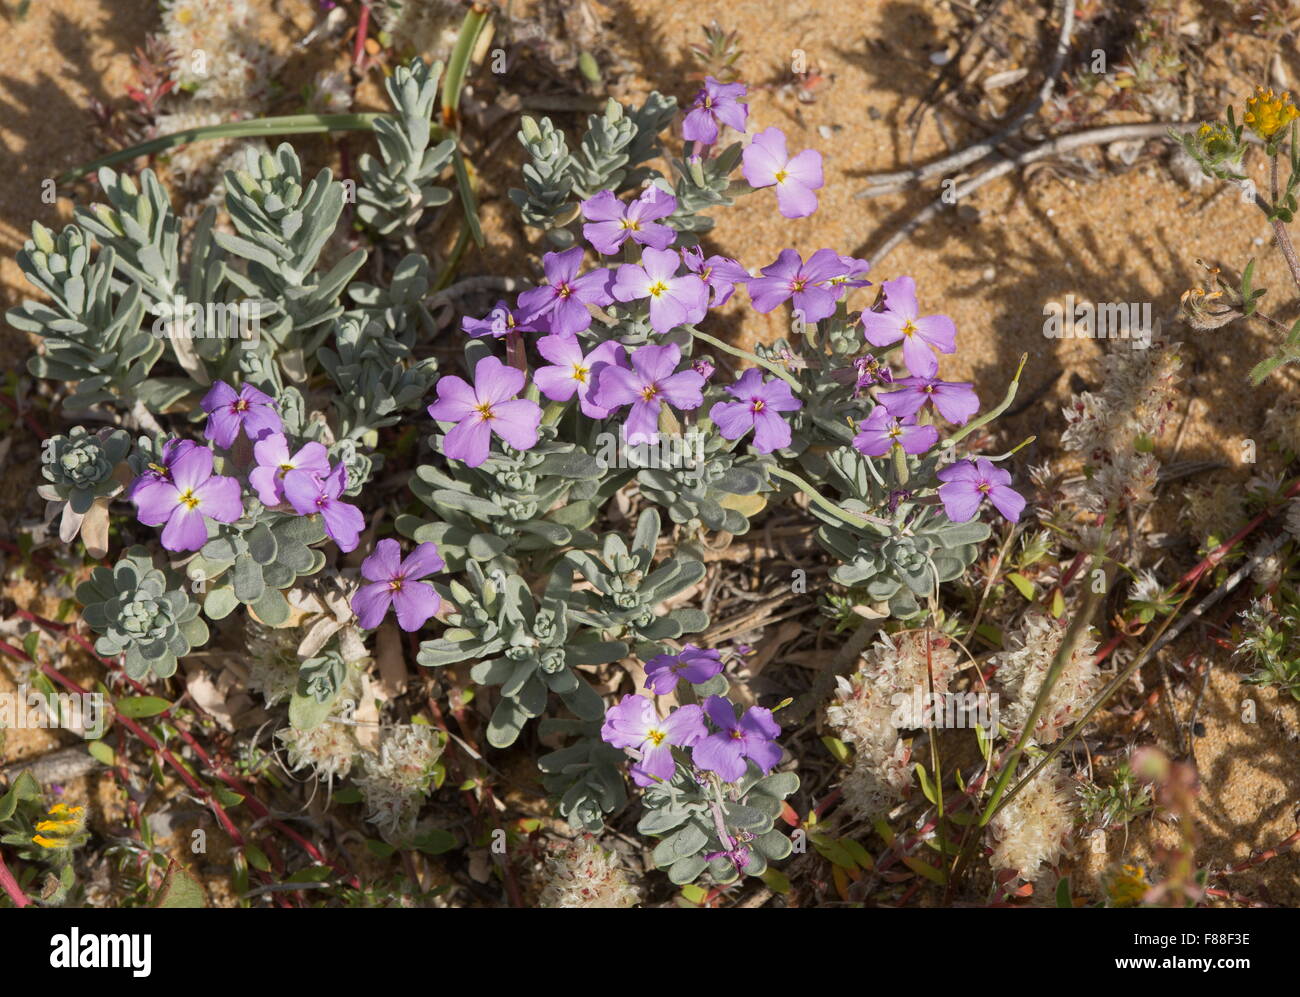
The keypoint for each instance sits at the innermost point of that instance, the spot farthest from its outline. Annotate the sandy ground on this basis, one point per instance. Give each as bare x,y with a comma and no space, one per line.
1133,236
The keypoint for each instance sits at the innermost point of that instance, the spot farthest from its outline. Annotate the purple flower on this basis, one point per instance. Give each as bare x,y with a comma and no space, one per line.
806,283
635,723
967,483
157,475
757,408
870,371
564,298
500,321
274,462
674,300
250,410
766,163
572,371
879,432
721,273
955,400
899,320
611,222
309,494
187,498
717,104
704,368
645,387
691,663
853,273
753,736
487,406
396,582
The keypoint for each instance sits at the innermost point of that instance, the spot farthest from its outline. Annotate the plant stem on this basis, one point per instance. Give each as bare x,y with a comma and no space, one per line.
11,887
992,413
852,518
736,351
287,124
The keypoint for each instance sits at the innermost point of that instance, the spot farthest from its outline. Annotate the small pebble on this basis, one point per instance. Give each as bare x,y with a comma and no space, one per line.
824,131
989,273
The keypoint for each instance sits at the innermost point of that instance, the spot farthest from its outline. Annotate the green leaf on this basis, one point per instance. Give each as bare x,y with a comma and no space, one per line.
1023,585
179,889
102,753
257,858
139,707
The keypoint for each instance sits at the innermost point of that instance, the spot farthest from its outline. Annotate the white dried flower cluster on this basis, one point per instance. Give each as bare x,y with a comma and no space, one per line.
1022,668
396,781
1131,410
225,73
893,670
331,93
1293,518
1282,425
1270,567
428,27
1034,828
1214,510
216,55
582,874
272,661
330,749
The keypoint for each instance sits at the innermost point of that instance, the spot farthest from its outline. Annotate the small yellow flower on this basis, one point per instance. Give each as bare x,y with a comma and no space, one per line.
45,842
61,826
1268,113
1129,886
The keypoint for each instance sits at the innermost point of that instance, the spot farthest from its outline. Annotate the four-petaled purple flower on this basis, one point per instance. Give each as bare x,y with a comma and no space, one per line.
487,406
251,410
955,400
156,475
900,320
674,300
273,462
500,321
563,299
610,222
395,582
309,494
751,737
187,498
694,664
967,483
721,273
870,371
766,163
806,283
653,379
635,723
716,104
572,371
758,408
879,432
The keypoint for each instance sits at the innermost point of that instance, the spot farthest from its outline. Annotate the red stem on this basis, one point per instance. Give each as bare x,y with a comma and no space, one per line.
11,886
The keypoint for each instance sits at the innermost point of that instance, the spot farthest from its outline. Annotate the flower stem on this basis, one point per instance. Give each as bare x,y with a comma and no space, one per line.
736,351
992,413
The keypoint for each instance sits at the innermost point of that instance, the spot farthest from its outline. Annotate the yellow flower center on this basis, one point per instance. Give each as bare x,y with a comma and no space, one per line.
188,499
781,176
758,405
650,392
484,409
656,737
909,329
631,224
580,373
657,288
